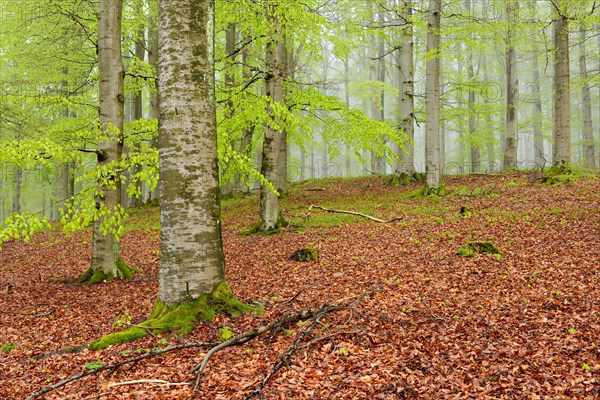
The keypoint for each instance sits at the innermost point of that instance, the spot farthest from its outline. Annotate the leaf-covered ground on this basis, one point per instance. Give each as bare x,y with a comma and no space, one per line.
433,325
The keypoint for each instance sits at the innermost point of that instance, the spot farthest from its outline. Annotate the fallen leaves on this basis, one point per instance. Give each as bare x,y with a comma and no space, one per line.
437,326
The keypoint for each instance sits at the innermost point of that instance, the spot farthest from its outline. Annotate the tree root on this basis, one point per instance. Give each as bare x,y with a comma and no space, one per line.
353,213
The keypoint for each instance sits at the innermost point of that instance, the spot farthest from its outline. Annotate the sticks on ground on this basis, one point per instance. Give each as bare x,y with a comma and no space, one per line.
354,213
115,366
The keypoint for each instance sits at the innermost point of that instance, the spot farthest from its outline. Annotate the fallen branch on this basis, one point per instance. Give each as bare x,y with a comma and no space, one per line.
284,320
113,367
159,382
354,213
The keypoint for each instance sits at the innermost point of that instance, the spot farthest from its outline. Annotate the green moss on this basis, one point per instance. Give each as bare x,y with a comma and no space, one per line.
255,229
471,248
91,277
439,190
181,317
305,254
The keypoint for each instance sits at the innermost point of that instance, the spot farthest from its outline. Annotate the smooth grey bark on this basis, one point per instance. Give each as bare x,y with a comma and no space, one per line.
474,147
348,148
230,37
561,150
152,51
105,247
137,112
539,157
511,138
191,250
406,82
587,134
432,93
269,201
16,198
377,74
247,133
285,64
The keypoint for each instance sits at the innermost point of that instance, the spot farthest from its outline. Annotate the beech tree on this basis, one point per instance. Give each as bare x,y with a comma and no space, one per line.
511,140
432,133
106,251
561,150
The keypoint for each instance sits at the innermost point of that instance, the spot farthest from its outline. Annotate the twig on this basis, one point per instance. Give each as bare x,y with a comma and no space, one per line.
115,366
354,213
284,320
159,382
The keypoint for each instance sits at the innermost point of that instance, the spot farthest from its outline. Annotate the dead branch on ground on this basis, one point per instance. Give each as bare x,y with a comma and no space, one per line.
330,210
114,367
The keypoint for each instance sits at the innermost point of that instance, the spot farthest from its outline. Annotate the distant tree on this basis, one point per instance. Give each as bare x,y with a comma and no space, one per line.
589,151
106,251
561,150
511,140
432,133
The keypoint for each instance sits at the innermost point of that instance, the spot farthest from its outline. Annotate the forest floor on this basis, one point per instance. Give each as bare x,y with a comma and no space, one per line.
431,324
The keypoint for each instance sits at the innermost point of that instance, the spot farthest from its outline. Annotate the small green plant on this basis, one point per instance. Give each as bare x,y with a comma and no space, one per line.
94,364
162,342
585,367
226,333
343,350
572,330
6,347
122,320
469,249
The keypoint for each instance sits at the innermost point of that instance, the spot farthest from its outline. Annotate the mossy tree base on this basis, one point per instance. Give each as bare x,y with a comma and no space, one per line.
404,179
256,229
180,317
91,277
305,254
471,248
439,190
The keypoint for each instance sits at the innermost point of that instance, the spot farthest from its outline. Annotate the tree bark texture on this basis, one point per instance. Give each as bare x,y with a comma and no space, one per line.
511,139
153,95
587,135
105,246
191,251
269,202
432,93
406,78
561,151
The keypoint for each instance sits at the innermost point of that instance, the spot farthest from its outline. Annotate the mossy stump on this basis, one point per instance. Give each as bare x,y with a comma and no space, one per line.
91,277
180,317
305,254
405,179
469,249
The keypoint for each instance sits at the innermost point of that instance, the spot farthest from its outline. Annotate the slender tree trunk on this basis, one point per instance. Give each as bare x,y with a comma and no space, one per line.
105,246
586,108
137,112
561,151
347,170
246,140
475,155
406,80
153,95
539,157
281,139
191,251
230,37
16,199
377,95
512,90
269,202
432,133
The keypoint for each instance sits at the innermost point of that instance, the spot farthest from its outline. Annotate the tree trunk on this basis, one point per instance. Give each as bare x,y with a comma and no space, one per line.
474,146
105,246
586,109
153,95
377,95
283,63
228,188
561,151
406,77
512,90
347,170
269,202
138,113
432,132
16,199
191,251
539,157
